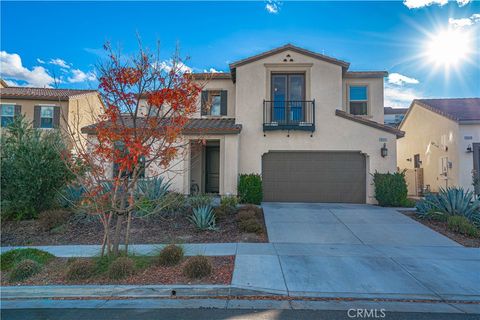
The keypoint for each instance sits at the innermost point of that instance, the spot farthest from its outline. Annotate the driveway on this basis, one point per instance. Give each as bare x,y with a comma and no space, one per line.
346,224
342,250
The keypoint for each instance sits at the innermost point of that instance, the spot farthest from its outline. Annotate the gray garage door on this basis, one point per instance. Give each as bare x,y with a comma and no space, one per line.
322,176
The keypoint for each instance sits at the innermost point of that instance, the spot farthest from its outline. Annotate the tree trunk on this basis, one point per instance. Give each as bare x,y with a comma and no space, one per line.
127,233
118,231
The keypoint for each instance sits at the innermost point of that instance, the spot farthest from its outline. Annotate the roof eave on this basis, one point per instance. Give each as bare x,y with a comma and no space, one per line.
398,133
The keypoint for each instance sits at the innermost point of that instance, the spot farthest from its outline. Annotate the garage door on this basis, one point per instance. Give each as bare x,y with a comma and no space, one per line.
314,176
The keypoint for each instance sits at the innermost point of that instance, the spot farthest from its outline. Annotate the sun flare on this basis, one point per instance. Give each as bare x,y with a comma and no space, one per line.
449,47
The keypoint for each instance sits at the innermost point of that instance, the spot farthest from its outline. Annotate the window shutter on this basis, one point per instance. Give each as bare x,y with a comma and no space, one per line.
204,101
56,117
18,110
36,116
223,102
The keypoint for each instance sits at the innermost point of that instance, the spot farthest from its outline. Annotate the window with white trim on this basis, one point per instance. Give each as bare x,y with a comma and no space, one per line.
8,114
46,117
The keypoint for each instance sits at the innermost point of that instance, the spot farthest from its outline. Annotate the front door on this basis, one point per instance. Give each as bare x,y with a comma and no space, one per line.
212,169
288,95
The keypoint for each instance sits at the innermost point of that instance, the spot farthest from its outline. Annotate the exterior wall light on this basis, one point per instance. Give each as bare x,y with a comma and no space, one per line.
384,150
469,148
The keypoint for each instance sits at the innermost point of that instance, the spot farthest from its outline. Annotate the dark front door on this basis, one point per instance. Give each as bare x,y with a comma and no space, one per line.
288,95
212,170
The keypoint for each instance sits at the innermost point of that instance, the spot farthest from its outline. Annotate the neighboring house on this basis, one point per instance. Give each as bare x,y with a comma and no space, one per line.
394,116
310,127
442,142
50,108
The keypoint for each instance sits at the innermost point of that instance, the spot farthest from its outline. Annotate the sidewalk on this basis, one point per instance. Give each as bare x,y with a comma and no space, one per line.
335,270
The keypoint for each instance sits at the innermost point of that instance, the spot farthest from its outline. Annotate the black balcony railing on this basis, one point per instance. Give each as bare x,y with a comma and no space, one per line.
289,115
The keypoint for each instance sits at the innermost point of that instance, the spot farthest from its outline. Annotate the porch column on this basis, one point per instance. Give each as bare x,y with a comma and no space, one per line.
229,164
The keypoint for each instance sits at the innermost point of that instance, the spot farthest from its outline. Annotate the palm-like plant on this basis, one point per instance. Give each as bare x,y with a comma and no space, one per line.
203,218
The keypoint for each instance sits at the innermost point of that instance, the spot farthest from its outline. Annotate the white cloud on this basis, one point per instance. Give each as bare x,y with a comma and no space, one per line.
60,62
80,76
462,3
40,61
399,79
415,4
167,65
399,97
465,22
273,6
12,69
212,70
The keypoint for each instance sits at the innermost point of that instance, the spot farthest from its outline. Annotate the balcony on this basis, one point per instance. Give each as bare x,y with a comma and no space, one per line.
289,115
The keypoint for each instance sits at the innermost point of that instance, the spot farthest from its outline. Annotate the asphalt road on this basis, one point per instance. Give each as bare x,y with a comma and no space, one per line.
210,314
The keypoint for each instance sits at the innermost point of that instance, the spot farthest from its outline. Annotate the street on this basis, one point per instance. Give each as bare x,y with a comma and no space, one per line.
213,314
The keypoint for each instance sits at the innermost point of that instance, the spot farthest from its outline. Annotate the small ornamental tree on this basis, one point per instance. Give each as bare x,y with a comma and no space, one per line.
146,106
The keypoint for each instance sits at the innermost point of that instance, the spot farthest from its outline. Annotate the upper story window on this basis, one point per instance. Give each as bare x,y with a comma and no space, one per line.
214,102
358,100
8,114
46,117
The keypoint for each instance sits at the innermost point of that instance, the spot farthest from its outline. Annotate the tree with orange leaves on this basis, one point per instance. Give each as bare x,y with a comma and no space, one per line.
131,135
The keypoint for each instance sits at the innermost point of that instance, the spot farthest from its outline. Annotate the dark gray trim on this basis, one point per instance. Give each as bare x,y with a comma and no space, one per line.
36,116
223,102
204,100
56,117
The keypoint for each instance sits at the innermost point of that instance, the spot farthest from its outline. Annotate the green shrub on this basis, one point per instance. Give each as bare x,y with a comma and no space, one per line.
170,255
24,270
391,189
201,200
250,188
172,202
203,218
250,226
50,219
32,169
229,202
10,258
121,268
80,269
197,267
461,225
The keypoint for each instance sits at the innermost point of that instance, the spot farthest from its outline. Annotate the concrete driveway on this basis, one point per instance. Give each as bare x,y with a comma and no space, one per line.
346,224
341,250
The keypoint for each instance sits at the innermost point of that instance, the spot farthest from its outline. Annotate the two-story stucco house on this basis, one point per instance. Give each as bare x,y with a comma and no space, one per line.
442,143
50,108
310,127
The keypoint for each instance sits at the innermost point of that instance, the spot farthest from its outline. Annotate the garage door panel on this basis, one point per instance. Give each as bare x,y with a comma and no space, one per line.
314,176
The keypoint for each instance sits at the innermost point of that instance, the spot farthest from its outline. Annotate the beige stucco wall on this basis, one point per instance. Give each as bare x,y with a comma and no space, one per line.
219,84
422,128
465,160
374,94
324,84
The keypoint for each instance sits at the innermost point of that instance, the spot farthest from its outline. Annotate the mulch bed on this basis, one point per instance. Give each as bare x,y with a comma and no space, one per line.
53,274
143,231
441,227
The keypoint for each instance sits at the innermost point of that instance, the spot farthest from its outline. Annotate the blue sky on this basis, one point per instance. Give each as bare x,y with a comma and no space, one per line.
65,39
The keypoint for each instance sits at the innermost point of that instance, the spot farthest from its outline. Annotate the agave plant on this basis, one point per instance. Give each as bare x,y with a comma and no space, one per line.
203,218
457,201
153,188
71,195
427,206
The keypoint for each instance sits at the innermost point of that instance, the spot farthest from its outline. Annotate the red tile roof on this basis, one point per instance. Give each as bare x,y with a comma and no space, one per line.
40,93
458,109
194,126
